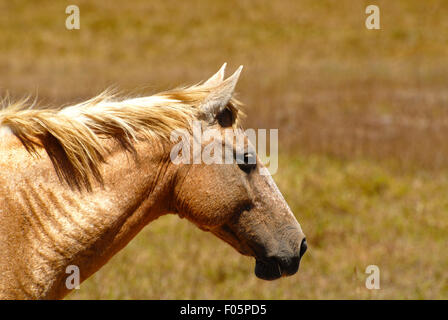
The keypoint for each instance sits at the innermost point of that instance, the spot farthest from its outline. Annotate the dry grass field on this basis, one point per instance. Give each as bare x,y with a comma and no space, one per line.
362,118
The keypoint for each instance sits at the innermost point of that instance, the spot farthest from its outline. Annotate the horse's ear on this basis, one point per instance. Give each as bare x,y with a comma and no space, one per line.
220,96
217,78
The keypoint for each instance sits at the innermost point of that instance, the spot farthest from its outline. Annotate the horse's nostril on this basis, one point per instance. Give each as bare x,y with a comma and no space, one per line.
303,247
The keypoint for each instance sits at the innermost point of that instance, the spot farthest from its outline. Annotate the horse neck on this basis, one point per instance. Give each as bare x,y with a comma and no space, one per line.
55,227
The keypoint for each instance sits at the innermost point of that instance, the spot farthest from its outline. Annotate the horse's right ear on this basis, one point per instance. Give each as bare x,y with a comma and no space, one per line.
220,95
217,78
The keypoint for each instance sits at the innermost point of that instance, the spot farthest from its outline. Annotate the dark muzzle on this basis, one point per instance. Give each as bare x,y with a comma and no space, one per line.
274,267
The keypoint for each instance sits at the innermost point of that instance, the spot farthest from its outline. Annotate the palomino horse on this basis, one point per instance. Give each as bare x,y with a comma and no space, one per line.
78,183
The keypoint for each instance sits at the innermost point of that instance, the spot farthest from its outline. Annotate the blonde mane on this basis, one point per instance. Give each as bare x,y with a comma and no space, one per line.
72,136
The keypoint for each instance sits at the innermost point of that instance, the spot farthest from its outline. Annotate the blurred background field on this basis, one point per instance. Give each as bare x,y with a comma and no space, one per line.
362,118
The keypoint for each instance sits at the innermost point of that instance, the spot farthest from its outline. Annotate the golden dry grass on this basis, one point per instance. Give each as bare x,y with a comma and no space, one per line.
362,118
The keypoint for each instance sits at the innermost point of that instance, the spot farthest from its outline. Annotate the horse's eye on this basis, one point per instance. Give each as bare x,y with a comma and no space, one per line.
248,162
225,118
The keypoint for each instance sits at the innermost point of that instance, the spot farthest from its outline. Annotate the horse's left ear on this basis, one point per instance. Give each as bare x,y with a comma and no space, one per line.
220,96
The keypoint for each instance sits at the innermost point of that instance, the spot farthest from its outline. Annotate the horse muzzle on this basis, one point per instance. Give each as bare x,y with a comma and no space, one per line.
282,265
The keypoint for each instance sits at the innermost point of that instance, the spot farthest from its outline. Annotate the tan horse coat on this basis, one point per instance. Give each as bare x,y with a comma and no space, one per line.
77,184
